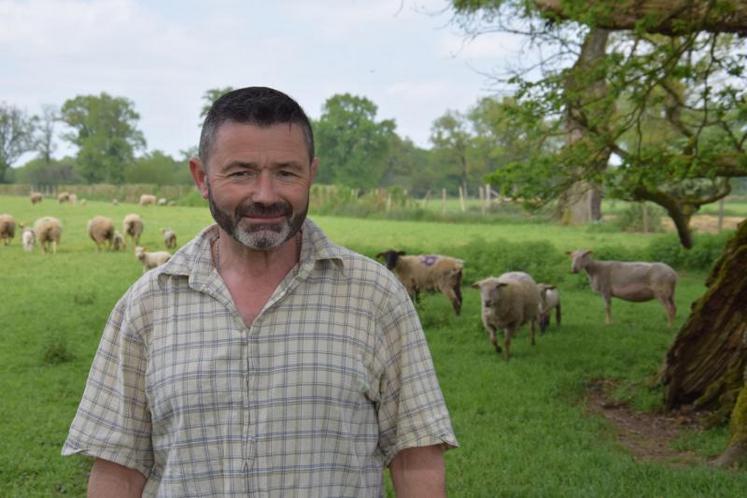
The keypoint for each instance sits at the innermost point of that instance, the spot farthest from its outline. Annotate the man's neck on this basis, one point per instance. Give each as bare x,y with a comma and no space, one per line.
233,258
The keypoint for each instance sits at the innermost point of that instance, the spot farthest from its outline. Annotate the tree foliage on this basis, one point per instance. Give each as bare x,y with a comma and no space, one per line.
106,134
158,168
671,111
209,97
16,136
347,137
44,139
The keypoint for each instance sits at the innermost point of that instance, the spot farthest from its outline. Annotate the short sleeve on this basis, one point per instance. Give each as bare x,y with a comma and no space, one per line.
113,421
411,410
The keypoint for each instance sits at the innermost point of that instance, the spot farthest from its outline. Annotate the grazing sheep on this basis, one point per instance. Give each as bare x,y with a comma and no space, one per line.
549,299
147,200
630,281
508,302
162,201
132,226
7,228
63,197
101,230
427,273
48,231
73,199
151,259
36,197
28,239
115,202
118,242
169,238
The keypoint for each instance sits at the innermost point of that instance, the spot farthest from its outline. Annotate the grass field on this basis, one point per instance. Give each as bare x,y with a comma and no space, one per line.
523,427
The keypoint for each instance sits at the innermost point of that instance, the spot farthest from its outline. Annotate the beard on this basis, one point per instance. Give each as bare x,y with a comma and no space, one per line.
258,236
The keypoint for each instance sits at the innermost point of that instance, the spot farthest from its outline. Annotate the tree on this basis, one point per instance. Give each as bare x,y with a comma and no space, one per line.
209,97
40,173
352,145
691,84
452,141
105,134
44,140
16,136
158,168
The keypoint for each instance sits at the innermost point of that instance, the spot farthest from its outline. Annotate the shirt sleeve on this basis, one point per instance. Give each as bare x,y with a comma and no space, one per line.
412,411
113,420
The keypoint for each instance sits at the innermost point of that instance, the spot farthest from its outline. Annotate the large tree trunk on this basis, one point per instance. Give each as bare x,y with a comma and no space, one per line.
666,17
582,203
706,365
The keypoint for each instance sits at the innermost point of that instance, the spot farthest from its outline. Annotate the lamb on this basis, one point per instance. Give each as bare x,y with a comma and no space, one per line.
549,300
63,197
35,197
73,199
7,228
169,238
151,259
147,200
132,226
101,230
28,239
118,242
162,201
630,281
48,231
508,302
427,273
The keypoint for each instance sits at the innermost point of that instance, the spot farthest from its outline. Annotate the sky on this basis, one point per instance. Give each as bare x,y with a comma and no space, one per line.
407,56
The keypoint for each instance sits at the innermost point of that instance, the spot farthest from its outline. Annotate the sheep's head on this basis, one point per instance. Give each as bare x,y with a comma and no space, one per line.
579,259
390,257
139,252
489,290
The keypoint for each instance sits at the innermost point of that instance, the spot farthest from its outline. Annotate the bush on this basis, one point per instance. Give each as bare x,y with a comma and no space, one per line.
704,253
631,219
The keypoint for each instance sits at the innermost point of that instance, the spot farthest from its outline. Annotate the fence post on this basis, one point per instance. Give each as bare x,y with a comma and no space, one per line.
645,217
481,194
443,201
461,198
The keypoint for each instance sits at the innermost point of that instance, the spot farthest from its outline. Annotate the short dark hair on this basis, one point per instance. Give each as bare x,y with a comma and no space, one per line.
256,105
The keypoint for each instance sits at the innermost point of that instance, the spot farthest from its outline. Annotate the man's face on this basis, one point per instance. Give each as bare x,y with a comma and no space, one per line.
257,182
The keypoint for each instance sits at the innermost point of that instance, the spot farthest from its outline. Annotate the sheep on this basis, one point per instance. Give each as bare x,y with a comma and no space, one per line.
118,242
48,230
115,202
73,199
549,299
151,259
7,228
630,281
63,197
162,201
36,197
147,200
132,227
169,238
101,230
28,239
427,273
508,302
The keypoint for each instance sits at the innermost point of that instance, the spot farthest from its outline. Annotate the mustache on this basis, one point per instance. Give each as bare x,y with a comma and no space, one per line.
258,209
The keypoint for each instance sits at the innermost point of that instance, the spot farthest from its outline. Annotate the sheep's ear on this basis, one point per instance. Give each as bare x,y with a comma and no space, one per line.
500,284
476,285
586,252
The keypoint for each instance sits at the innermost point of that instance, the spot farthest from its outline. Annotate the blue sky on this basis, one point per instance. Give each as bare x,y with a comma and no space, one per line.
404,55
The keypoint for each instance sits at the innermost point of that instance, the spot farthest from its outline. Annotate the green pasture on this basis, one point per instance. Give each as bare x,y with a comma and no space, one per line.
522,425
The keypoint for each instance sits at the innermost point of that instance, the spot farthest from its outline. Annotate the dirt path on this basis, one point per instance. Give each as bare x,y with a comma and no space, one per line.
647,436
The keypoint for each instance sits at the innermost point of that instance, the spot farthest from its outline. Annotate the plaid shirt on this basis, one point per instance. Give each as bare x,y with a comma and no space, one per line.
331,380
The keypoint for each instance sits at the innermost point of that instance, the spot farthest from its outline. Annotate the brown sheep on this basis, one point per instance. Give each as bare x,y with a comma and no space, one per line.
132,227
101,231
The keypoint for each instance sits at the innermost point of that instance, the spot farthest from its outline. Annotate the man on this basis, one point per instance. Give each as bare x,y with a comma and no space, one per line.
262,360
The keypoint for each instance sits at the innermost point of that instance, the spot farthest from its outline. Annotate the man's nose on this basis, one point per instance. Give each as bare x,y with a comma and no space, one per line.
265,188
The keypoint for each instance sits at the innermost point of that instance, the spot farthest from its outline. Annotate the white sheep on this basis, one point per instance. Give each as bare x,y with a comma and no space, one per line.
36,197
7,228
118,242
48,231
101,231
630,281
508,302
427,273
73,199
169,238
162,201
132,227
549,300
28,239
147,200
151,259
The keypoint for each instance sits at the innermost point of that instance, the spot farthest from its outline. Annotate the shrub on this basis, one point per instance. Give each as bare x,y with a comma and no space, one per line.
538,258
631,219
706,250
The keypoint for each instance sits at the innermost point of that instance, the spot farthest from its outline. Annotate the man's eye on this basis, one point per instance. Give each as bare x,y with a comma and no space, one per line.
286,174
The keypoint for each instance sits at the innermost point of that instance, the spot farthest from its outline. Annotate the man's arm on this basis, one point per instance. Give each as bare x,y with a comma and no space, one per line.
419,473
111,480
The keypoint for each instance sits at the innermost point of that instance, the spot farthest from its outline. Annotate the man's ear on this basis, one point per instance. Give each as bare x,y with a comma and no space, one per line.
314,168
199,175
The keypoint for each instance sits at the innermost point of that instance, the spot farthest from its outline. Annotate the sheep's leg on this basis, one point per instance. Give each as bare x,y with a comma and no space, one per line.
557,314
669,307
507,333
607,310
492,337
454,295
531,328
